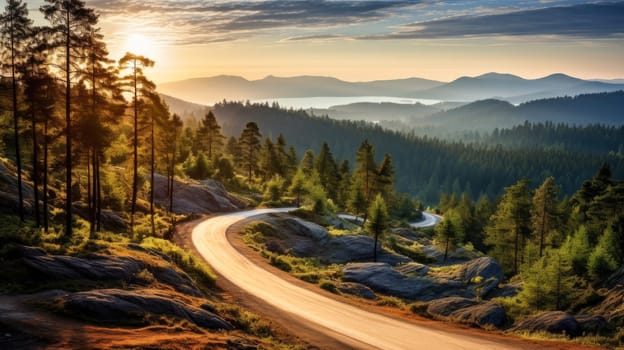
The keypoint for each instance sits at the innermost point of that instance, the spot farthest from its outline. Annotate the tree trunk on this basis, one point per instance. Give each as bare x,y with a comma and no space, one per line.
446,247
68,133
98,193
135,161
18,158
89,194
152,179
541,245
35,172
45,175
516,247
375,247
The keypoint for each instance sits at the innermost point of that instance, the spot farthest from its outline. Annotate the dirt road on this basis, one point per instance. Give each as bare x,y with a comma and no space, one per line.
350,325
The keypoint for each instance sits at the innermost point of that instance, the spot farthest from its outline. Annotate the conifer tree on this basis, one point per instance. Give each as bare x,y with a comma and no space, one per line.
509,226
378,220
72,24
210,135
249,142
15,27
544,213
140,88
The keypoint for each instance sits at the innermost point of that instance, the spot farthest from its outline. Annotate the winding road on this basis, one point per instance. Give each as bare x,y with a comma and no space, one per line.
428,221
350,325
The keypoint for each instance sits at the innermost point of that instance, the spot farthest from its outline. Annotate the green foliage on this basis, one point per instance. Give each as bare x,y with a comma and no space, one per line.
329,286
601,262
377,222
510,226
549,283
274,189
579,250
450,232
197,269
280,263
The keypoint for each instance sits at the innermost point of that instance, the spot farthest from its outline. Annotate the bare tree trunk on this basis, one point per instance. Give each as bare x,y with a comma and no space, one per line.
18,158
98,194
45,175
35,172
135,162
152,164
68,133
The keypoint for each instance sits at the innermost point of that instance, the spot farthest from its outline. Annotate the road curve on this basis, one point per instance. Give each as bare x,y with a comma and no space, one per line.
428,221
354,326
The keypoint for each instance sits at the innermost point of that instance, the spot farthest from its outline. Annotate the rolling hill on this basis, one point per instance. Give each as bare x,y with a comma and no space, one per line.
466,89
234,88
514,89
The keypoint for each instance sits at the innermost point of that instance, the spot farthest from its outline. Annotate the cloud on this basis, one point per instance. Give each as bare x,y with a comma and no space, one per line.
580,21
195,21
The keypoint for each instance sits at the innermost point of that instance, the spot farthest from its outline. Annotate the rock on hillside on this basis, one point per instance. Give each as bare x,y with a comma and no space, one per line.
556,322
305,239
115,305
196,197
105,268
417,282
468,311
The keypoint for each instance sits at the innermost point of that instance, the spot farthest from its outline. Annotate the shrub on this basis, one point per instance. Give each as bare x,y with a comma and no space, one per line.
328,286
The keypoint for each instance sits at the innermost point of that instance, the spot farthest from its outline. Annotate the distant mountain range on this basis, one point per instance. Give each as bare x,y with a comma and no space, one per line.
601,108
506,87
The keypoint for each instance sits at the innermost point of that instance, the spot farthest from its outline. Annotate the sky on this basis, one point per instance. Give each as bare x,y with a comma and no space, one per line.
365,40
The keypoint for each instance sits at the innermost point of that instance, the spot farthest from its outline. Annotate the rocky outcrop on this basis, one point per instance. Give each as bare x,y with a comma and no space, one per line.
9,200
446,306
98,267
381,277
488,314
105,268
357,289
115,305
197,197
556,322
484,267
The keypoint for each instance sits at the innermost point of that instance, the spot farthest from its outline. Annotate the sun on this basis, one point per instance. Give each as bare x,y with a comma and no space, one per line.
141,45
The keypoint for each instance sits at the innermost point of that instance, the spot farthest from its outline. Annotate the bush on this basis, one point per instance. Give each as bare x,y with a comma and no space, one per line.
328,286
280,263
419,308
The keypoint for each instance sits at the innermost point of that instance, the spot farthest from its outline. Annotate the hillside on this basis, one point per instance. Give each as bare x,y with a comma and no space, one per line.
425,167
514,89
487,86
602,108
213,89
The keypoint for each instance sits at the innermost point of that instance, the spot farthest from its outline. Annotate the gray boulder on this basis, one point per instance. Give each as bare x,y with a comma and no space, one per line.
382,278
483,314
179,280
357,289
306,229
484,267
199,197
446,306
95,268
344,249
115,305
413,269
556,322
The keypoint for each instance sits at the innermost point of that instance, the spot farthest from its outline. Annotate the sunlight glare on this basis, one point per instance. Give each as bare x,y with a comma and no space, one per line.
141,45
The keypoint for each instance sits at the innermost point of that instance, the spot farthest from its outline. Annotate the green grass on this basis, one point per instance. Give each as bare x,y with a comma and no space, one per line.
197,269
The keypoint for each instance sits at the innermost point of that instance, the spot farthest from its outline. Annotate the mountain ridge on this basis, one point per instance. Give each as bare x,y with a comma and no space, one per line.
505,86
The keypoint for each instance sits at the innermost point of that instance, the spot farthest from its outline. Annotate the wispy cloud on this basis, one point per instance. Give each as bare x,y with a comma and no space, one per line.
579,21
195,21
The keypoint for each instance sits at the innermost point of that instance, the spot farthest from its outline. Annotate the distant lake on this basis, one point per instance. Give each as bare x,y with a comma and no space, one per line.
326,102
